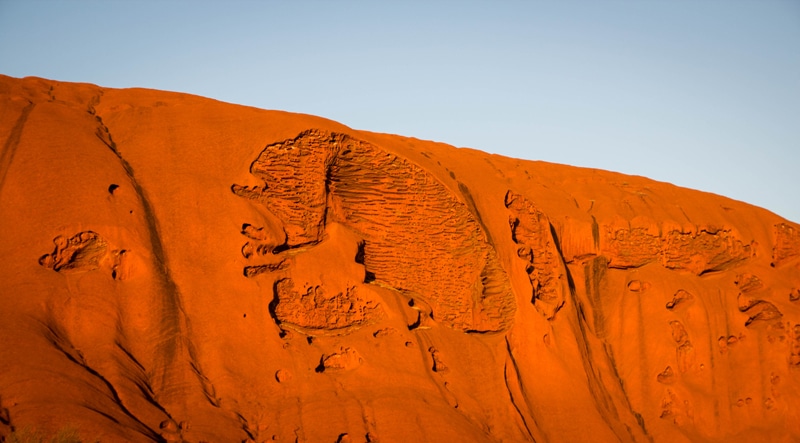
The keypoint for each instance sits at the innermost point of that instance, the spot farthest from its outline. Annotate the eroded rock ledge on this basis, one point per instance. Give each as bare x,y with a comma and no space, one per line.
418,238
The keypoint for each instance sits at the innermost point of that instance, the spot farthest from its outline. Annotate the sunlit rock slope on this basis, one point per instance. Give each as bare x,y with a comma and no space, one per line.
174,268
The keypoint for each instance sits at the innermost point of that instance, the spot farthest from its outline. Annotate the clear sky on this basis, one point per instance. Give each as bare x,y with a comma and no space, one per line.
702,94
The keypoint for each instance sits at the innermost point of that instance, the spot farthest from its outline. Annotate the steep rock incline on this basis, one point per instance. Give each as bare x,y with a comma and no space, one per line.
369,287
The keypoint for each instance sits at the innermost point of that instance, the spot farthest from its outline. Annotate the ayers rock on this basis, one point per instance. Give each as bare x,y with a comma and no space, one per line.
175,268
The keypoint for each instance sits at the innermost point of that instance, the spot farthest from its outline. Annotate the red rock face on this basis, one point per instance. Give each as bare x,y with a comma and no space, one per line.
81,252
787,243
530,230
179,269
416,237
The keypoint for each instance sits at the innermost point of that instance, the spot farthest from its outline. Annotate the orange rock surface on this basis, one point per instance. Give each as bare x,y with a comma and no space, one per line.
175,268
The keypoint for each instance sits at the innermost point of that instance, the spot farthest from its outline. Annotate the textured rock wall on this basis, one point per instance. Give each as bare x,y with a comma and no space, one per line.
368,287
418,238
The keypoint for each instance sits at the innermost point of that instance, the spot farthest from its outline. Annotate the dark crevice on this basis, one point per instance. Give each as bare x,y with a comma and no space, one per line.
360,258
598,390
105,415
360,252
514,226
58,340
570,280
273,304
596,384
144,388
417,323
281,248
251,434
10,146
600,393
205,384
474,210
522,391
177,326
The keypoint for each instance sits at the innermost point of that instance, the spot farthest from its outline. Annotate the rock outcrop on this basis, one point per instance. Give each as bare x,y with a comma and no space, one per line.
180,269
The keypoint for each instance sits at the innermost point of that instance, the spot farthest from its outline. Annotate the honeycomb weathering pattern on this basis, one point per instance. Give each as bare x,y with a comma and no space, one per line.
630,248
81,252
418,237
319,310
707,250
787,244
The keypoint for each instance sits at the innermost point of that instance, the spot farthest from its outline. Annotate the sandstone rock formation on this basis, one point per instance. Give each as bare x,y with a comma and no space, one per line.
180,269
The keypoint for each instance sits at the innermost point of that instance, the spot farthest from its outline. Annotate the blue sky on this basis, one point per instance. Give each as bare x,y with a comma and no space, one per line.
702,94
